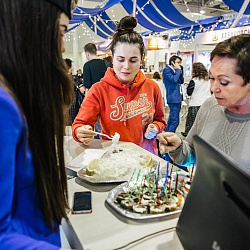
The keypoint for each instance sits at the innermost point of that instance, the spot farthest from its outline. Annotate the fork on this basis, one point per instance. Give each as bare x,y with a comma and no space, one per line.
110,137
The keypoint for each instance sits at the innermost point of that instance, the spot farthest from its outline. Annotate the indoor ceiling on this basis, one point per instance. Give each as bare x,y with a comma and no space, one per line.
211,7
188,8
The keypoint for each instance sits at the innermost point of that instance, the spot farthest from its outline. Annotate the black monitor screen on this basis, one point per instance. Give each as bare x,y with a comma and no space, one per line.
216,213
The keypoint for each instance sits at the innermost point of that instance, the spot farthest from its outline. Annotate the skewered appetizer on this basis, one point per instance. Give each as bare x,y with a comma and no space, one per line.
153,194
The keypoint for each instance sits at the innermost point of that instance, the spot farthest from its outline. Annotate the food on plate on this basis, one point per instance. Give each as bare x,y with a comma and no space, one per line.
122,196
128,204
186,187
139,208
92,167
146,161
156,205
115,141
157,209
154,193
171,206
119,165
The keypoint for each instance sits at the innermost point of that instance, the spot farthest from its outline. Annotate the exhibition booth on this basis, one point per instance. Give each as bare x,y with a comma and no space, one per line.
214,37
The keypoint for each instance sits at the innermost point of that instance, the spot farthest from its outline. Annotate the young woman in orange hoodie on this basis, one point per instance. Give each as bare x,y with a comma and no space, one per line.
125,100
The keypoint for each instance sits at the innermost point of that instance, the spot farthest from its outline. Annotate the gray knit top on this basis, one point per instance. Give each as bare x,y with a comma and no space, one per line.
228,131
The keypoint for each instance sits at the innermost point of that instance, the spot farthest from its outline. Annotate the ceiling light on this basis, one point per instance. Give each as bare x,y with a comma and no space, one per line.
202,11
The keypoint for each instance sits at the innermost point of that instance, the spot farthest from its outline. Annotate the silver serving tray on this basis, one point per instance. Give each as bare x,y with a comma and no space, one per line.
124,187
82,174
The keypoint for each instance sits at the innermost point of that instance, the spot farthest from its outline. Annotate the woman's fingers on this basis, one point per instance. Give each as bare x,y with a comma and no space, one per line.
168,141
85,134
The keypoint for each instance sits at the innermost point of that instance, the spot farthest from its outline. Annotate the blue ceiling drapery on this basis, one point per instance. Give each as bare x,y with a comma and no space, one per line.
83,14
154,15
96,11
158,15
190,32
103,28
236,5
168,11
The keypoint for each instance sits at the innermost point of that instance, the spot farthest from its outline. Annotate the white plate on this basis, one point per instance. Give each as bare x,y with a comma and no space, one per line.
86,157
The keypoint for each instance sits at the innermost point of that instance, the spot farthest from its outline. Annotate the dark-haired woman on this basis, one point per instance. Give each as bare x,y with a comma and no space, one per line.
158,80
35,91
125,100
199,91
222,120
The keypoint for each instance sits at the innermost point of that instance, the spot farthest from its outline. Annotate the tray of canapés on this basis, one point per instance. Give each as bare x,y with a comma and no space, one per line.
155,195
116,166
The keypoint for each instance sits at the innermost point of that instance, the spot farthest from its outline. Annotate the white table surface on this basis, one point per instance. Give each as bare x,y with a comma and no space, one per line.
106,229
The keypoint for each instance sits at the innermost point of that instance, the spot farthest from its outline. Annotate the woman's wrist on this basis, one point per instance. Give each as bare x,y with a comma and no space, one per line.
180,144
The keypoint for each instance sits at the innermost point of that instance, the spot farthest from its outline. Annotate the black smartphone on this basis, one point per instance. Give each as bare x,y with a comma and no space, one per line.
82,203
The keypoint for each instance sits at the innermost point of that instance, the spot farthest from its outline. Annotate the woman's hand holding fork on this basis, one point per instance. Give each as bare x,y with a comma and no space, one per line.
85,134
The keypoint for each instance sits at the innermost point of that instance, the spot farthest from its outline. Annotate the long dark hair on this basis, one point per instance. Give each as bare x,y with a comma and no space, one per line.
31,64
237,47
156,75
200,71
125,33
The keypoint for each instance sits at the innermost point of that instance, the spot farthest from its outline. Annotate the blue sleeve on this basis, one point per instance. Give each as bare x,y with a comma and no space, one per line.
11,133
169,75
191,160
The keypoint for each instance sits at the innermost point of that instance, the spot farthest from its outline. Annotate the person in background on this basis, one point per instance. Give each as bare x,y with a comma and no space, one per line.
224,119
199,90
95,68
157,79
78,78
108,61
125,100
173,78
79,74
79,93
69,66
34,95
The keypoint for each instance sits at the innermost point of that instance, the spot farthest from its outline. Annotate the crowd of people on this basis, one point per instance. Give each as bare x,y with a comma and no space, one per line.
38,98
223,119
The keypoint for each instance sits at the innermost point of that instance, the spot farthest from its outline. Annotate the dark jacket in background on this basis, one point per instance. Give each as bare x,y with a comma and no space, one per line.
93,71
77,100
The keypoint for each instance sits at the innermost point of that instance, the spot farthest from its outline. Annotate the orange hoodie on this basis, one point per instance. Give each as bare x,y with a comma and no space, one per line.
122,108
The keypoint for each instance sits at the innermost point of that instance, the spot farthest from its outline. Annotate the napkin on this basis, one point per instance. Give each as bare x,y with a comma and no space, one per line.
91,154
86,157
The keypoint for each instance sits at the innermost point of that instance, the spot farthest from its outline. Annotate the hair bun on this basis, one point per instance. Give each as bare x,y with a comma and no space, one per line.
127,23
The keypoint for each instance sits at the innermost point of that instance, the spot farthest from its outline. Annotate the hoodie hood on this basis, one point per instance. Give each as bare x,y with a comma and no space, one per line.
111,79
